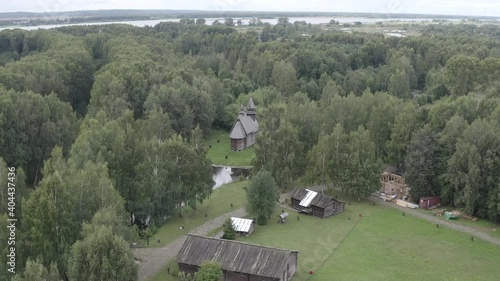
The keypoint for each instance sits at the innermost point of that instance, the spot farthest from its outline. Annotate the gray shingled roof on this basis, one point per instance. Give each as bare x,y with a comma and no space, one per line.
320,200
237,132
249,125
299,193
243,126
234,256
250,104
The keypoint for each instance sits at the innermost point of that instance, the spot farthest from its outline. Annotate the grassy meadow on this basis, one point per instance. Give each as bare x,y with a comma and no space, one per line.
221,149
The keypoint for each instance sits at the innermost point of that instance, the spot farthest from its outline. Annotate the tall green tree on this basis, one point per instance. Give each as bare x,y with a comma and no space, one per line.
48,212
92,190
229,232
118,221
460,74
173,172
278,148
102,255
473,170
361,174
424,164
399,85
284,78
28,136
36,271
111,141
408,121
262,194
318,161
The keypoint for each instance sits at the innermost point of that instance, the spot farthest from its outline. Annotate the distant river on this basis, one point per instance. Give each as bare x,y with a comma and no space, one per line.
245,21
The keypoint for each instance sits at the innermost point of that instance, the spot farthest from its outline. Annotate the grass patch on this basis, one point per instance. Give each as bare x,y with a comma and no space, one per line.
382,245
215,231
221,149
388,246
163,275
216,205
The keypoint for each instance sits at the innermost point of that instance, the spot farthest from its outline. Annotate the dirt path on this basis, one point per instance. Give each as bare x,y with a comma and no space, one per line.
154,259
435,220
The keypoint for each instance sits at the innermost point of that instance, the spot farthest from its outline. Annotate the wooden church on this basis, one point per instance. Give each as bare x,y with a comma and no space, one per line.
244,131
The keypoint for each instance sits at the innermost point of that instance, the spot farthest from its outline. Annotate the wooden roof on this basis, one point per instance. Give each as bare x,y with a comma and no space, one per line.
319,200
243,126
251,104
238,132
234,256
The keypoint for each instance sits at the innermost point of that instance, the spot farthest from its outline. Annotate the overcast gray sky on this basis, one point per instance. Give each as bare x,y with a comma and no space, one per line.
449,7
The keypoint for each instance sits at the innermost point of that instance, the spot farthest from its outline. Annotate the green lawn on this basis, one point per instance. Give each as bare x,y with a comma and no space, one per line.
221,149
483,225
382,245
218,204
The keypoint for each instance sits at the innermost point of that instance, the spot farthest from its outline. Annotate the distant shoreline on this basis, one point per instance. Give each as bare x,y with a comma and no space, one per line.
202,13
27,20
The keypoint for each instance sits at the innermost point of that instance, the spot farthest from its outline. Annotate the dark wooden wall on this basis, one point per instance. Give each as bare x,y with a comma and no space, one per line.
237,144
318,212
295,203
233,276
188,268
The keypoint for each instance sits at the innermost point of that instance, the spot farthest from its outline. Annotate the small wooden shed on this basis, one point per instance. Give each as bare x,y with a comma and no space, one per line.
243,227
239,261
429,202
312,202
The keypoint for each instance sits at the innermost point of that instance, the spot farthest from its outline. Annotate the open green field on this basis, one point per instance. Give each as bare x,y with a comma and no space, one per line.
221,149
219,203
382,245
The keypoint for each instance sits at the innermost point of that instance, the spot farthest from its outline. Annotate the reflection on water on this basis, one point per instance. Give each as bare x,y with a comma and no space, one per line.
222,175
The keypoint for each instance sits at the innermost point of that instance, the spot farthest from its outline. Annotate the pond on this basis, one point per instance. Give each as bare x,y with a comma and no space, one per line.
225,174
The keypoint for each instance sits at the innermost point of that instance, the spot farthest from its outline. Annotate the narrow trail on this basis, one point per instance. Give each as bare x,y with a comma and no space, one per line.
458,227
153,259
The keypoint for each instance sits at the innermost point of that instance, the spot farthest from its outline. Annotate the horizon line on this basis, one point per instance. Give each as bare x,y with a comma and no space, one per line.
265,11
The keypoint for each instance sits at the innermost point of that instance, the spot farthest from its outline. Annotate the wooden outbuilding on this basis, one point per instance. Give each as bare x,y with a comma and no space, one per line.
243,227
239,261
429,202
393,183
312,202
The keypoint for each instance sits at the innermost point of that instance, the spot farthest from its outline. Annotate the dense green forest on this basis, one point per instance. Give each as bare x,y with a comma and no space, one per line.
105,124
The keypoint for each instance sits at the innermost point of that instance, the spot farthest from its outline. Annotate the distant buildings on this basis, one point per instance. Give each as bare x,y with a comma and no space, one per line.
244,131
239,261
319,205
